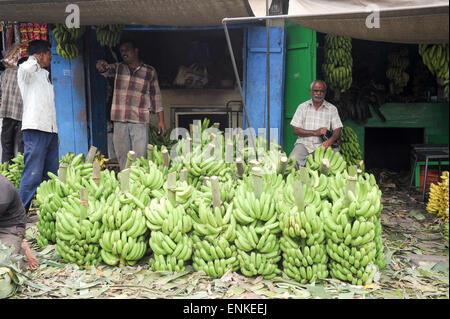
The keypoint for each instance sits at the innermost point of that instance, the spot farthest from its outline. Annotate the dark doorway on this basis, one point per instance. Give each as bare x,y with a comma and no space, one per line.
390,147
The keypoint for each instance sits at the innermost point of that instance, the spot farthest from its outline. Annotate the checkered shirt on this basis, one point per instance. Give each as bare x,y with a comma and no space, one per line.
11,104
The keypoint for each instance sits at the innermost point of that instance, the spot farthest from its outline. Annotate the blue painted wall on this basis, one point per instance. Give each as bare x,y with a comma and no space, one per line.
255,83
68,78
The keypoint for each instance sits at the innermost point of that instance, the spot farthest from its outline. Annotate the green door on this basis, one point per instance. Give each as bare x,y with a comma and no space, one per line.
300,72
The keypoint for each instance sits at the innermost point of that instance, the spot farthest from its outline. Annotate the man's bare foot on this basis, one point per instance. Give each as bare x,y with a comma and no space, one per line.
31,258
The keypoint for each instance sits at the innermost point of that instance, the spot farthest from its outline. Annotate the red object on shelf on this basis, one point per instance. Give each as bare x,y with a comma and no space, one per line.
432,176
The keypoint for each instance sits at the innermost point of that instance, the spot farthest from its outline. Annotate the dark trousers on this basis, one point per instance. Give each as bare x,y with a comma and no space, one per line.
11,136
40,157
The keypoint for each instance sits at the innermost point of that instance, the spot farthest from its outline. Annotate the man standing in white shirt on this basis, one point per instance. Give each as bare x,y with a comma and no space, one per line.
311,120
39,129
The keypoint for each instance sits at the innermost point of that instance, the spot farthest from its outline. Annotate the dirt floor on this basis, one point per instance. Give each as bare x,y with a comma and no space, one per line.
416,256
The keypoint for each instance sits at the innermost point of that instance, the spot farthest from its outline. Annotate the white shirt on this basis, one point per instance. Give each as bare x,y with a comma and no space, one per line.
308,118
38,97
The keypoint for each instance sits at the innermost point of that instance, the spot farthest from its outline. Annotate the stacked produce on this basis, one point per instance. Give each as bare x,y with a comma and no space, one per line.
338,63
396,72
303,237
67,40
349,147
125,238
108,35
54,192
326,161
258,246
438,202
13,171
169,240
214,232
435,57
350,227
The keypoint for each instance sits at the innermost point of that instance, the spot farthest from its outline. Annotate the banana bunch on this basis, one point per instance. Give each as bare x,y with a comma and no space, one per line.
13,172
326,161
52,194
160,139
67,158
78,234
435,57
214,255
204,193
147,175
398,62
169,226
303,262
67,39
337,68
312,192
349,148
101,160
438,201
108,35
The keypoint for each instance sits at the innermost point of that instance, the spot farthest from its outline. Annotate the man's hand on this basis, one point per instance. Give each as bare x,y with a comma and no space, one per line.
162,127
102,66
327,143
321,131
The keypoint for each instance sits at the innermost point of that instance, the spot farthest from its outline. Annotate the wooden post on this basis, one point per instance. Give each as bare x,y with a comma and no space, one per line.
130,158
171,187
62,172
91,154
215,189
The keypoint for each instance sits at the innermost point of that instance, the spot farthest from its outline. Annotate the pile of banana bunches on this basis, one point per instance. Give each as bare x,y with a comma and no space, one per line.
255,215
349,148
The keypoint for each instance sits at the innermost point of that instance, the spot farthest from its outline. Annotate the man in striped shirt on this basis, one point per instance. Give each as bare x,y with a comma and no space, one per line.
311,120
136,95
11,109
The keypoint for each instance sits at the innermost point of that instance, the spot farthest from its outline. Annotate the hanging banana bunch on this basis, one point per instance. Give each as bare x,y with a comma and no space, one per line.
398,62
108,35
435,57
67,39
338,64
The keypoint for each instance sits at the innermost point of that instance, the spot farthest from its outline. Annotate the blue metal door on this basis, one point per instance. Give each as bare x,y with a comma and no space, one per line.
255,83
68,78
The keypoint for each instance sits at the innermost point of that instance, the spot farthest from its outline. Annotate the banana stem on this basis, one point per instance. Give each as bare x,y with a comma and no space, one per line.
171,187
239,167
150,152
215,188
130,158
62,172
183,175
282,165
257,181
91,154
96,172
351,181
83,203
299,195
165,155
324,167
125,180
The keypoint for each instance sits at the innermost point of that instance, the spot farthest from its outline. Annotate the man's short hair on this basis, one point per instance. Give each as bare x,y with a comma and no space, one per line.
127,40
320,81
21,60
38,47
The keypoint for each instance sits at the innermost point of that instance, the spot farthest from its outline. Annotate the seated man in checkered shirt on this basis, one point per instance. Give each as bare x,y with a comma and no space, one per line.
136,95
311,120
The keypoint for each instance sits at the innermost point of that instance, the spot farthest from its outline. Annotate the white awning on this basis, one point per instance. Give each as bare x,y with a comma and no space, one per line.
405,21
137,12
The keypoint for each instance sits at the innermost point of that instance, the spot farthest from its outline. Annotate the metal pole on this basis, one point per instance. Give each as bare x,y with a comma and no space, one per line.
238,81
268,74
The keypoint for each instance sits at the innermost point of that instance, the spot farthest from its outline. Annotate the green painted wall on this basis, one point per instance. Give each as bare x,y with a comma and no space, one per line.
431,116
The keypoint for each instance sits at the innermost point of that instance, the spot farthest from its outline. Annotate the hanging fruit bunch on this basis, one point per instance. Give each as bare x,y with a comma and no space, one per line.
338,63
398,62
67,40
108,35
438,201
349,147
435,57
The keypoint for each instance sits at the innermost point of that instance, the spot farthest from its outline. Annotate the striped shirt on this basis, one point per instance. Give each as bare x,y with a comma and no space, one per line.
308,118
136,94
11,104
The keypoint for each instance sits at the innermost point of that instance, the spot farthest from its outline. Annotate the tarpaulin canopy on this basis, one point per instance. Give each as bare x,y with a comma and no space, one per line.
405,21
138,12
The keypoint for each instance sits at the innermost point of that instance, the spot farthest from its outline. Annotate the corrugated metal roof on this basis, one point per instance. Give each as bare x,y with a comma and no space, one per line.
139,12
